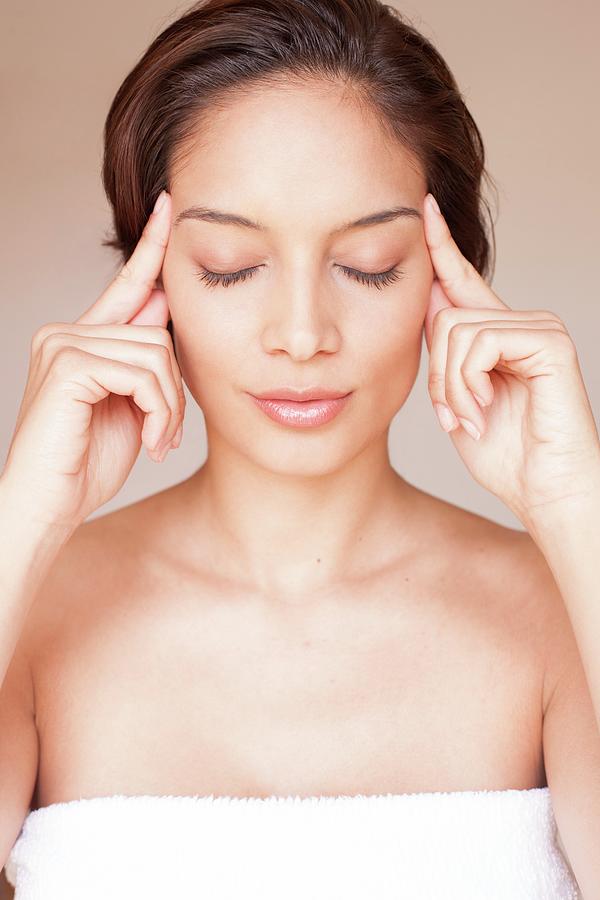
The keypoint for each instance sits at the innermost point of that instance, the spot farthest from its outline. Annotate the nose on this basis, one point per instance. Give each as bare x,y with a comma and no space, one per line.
302,320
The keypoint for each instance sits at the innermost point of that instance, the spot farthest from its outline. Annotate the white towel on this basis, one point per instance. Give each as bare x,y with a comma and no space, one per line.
472,845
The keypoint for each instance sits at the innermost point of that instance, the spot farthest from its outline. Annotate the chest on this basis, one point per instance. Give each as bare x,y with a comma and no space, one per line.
223,697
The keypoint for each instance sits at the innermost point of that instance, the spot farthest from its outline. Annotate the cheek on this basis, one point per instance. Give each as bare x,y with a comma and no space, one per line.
209,357
391,353
213,353
208,341
394,351
398,334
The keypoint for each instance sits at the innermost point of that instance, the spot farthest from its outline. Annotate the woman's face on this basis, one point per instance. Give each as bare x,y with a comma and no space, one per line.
303,162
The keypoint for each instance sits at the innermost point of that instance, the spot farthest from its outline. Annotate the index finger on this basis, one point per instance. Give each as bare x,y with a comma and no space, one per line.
133,284
460,280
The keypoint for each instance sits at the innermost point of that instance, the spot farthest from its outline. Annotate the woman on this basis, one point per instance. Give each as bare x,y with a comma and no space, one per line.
294,672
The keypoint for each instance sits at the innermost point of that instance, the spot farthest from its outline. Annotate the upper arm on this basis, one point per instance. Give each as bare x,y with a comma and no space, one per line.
19,737
571,743
18,749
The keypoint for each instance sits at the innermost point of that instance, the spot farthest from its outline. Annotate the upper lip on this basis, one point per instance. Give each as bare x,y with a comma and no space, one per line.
290,393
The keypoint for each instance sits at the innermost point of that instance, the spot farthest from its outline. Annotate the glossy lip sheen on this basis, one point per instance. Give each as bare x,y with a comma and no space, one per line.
302,413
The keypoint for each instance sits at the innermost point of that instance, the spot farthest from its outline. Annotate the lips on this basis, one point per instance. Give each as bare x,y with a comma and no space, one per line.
305,412
301,394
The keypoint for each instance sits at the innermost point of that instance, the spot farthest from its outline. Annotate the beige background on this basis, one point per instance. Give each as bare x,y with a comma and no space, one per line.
529,73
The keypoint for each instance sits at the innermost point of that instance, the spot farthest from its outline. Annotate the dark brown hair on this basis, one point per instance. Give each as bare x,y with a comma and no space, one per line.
219,48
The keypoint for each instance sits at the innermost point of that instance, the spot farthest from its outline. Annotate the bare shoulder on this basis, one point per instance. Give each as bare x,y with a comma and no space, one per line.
519,586
485,548
503,574
561,653
74,579
101,563
80,568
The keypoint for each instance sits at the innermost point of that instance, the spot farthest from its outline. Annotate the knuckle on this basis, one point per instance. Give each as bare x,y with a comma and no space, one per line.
465,271
557,325
435,382
453,393
564,341
448,282
149,235
468,372
157,331
168,340
52,343
163,354
164,350
41,334
485,336
549,314
165,340
153,385
66,359
148,377
456,329
153,238
129,275
444,317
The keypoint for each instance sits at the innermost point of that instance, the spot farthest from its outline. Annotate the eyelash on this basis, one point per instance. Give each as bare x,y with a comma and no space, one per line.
372,279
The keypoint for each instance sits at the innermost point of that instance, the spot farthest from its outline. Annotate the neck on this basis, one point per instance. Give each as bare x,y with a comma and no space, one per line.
291,535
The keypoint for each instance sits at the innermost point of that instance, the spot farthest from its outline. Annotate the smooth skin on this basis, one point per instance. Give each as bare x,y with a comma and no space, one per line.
295,617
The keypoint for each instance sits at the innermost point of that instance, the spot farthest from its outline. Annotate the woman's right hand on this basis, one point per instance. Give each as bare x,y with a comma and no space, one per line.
96,390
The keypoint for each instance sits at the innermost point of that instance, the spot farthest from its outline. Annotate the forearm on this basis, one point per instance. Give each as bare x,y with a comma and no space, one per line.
27,551
569,538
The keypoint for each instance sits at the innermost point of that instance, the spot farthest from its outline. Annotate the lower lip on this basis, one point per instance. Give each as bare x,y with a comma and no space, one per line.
302,414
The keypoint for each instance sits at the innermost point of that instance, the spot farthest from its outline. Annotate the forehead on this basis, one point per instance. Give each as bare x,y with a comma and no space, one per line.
295,147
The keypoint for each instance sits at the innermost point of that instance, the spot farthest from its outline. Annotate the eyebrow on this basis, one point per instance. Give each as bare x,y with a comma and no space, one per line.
205,214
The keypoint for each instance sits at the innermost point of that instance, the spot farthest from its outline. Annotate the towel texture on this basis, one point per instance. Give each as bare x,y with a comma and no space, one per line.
497,845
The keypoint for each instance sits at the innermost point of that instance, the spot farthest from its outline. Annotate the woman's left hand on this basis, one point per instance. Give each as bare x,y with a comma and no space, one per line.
539,443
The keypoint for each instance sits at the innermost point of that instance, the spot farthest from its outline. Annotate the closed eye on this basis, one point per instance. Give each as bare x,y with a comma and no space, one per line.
372,279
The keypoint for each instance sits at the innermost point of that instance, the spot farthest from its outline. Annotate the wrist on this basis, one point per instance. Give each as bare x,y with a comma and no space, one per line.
572,515
20,519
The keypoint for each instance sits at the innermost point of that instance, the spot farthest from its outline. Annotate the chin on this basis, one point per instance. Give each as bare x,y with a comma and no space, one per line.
300,452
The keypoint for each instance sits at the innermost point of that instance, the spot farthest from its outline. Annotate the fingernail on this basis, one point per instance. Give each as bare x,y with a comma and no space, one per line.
433,203
160,201
469,428
445,416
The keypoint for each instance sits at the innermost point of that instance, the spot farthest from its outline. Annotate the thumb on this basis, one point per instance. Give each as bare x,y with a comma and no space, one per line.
437,300
154,312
